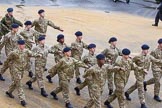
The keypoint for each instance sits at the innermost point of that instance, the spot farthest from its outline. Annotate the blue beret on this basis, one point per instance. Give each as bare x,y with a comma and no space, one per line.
41,37
14,25
21,42
100,57
78,33
112,39
10,10
91,46
145,47
28,23
66,49
160,41
126,51
60,36
41,11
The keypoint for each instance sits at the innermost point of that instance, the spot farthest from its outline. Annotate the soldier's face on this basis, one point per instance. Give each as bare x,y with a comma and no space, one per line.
145,52
79,38
22,46
61,40
68,53
15,30
101,62
160,45
92,50
42,42
42,14
125,56
10,13
114,43
28,26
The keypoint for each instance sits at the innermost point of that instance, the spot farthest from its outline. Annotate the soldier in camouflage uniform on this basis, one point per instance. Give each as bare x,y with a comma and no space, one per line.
3,30
9,41
98,75
29,35
40,64
121,78
65,69
9,19
58,54
42,23
157,72
142,60
111,54
77,51
18,57
90,60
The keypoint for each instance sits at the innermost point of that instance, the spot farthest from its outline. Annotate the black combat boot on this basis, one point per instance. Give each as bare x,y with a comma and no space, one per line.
127,96
77,91
68,105
157,98
9,94
110,92
29,83
1,78
78,80
30,74
143,105
155,24
108,104
145,86
49,78
23,103
54,95
43,92
1,63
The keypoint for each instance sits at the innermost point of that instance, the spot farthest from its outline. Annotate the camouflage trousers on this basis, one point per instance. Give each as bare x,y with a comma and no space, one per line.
95,96
39,71
5,67
77,72
157,75
138,85
119,94
29,66
110,79
52,72
17,84
64,88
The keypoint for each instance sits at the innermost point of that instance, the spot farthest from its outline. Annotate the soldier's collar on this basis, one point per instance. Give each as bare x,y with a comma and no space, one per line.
112,47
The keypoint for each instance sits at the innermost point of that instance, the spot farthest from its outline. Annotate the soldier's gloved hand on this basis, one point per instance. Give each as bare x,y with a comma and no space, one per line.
121,68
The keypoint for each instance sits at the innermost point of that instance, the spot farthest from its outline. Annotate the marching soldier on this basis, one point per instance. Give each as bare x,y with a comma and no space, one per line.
142,60
157,72
9,19
111,54
18,57
90,60
58,54
77,51
98,74
40,65
41,24
65,69
9,41
121,78
29,35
